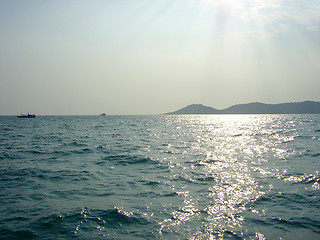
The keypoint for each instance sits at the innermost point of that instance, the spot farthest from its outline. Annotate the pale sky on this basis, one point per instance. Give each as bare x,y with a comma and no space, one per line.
155,56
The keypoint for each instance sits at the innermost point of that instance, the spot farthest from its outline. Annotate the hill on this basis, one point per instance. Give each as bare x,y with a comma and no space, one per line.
196,109
307,107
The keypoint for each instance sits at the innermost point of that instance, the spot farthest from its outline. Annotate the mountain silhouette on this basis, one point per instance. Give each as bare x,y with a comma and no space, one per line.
196,109
306,107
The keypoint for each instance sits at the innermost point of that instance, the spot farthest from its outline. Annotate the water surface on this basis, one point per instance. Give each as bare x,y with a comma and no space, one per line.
165,177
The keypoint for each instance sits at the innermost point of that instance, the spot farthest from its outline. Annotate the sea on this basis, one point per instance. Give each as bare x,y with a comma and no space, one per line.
160,177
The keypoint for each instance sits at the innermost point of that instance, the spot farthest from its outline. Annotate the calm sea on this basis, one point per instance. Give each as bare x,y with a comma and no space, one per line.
165,177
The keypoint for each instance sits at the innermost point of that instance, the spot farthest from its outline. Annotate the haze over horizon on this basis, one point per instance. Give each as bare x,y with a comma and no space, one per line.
151,57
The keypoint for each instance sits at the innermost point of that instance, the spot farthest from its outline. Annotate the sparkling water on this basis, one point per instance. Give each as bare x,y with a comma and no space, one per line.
165,177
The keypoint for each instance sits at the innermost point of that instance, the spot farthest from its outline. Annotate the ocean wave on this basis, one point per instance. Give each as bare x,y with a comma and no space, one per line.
104,149
124,159
188,177
82,151
17,234
75,144
111,224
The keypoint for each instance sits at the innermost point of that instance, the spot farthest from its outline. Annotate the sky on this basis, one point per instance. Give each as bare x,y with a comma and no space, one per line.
73,57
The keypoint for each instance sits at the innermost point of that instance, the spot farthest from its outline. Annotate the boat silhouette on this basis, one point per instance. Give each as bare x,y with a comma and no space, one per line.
27,115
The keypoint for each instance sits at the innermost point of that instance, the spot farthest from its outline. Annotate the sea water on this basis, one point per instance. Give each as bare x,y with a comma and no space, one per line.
160,177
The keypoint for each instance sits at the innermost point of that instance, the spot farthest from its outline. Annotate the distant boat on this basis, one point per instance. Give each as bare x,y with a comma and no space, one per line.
27,115
102,114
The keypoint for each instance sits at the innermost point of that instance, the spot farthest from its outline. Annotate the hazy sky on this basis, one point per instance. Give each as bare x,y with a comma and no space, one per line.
155,56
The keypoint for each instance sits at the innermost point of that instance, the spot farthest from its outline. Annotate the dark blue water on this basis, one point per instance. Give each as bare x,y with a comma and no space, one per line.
165,177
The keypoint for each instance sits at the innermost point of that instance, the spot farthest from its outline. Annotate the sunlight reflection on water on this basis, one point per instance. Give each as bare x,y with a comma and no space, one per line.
165,177
235,148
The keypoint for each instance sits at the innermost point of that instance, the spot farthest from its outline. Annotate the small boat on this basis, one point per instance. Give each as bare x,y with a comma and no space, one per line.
27,115
102,114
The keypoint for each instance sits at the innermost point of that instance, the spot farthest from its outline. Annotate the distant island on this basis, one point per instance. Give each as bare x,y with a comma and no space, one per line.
306,107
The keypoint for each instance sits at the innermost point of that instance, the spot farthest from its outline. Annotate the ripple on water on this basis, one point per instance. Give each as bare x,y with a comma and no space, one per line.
126,159
171,177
